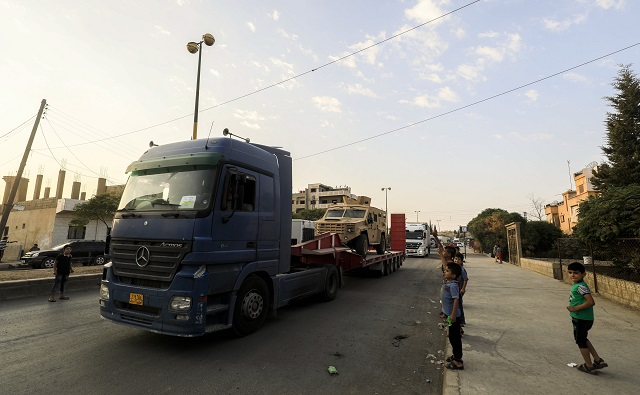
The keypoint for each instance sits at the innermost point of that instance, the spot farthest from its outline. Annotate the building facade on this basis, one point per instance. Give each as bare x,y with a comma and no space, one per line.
564,214
319,196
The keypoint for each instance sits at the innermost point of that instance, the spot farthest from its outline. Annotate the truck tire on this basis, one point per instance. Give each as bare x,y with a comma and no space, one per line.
331,284
380,248
252,306
362,245
99,260
386,269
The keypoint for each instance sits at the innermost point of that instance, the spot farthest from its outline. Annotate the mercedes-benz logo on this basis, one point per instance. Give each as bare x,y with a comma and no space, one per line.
142,256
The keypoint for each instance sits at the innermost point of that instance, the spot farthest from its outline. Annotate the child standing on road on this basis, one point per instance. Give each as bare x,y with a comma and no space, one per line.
581,310
61,270
463,279
450,307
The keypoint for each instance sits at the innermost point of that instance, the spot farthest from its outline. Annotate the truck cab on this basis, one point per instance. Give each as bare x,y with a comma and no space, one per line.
418,240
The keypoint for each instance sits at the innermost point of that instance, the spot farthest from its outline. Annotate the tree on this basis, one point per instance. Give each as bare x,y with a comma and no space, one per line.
311,215
614,214
489,228
100,207
623,135
538,206
539,238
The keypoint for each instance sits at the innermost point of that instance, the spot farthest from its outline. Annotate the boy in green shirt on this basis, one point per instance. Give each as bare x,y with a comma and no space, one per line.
581,310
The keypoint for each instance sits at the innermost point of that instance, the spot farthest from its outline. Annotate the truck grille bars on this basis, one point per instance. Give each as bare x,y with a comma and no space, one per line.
147,263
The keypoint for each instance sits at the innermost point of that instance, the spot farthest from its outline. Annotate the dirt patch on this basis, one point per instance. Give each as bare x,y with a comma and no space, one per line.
30,274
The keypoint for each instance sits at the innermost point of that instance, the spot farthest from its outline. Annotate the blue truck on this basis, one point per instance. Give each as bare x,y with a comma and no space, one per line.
201,242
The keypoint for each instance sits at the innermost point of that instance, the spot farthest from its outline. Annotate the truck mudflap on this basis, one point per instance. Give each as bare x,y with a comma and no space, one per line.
161,310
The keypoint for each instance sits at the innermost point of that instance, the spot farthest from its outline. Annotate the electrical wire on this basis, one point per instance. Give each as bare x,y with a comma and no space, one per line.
19,126
468,105
287,79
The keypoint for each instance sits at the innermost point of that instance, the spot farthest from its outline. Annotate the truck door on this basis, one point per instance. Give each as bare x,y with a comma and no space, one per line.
236,216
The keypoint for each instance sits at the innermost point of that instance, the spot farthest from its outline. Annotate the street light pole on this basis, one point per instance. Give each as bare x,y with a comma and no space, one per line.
417,211
386,211
194,47
438,221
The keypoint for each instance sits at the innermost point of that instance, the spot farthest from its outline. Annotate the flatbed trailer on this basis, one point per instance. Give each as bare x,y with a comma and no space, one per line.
327,248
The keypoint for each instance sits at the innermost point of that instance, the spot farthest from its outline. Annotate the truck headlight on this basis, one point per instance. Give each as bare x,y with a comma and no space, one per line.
180,303
104,292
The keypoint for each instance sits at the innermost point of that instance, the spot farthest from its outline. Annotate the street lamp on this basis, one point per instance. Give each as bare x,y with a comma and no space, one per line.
194,47
438,221
417,211
386,211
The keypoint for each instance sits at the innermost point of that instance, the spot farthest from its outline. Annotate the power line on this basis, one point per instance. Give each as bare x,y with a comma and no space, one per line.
19,126
287,79
468,105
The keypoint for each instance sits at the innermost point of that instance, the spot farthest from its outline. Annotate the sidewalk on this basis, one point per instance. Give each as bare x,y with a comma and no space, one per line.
519,337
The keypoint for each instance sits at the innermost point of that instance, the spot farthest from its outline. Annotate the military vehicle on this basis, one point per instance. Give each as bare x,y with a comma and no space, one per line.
358,224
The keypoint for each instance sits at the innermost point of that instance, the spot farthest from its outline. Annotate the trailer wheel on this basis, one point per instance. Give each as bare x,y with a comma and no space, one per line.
381,248
252,306
331,284
385,268
392,265
362,245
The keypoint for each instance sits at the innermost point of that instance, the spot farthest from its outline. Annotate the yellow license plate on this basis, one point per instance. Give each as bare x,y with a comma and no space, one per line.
136,299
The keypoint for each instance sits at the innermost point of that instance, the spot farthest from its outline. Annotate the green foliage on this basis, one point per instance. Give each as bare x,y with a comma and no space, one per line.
100,207
539,239
311,215
623,135
614,214
488,228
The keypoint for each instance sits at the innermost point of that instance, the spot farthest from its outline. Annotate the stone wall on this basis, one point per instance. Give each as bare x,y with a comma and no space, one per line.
624,292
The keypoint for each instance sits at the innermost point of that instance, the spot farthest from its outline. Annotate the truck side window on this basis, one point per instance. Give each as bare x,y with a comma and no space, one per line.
240,189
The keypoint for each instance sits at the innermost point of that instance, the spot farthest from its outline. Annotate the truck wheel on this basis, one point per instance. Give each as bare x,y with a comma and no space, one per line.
252,306
47,263
385,268
331,284
362,245
380,248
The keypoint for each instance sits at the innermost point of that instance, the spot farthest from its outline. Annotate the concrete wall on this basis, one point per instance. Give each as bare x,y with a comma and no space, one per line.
624,292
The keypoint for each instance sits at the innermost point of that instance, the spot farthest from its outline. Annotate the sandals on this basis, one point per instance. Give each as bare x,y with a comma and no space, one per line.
51,300
450,358
64,298
586,369
452,365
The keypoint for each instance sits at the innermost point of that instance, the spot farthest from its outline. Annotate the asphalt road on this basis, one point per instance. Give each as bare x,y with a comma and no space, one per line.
377,333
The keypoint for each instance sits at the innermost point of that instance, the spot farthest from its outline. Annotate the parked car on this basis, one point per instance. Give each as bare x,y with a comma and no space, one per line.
85,252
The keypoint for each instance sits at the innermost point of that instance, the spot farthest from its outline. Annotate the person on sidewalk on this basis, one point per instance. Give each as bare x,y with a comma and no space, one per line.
451,308
498,254
61,270
446,256
463,279
581,311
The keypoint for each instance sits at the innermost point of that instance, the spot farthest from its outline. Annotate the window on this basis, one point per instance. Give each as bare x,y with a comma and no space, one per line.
323,201
76,232
313,189
240,193
581,189
562,218
23,226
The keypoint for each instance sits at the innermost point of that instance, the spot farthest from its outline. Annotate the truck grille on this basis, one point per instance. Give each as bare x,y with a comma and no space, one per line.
413,245
331,227
164,259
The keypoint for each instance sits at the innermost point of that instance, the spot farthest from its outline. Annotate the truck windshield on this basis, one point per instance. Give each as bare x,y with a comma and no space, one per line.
335,213
414,234
354,213
184,188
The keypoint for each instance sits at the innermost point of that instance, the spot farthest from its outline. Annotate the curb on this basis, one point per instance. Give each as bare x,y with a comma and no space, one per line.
17,289
451,381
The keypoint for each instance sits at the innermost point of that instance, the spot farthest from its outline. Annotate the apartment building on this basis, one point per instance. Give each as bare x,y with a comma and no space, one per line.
564,214
318,195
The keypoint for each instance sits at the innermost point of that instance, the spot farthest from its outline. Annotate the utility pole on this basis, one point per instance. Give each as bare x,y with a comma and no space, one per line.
16,183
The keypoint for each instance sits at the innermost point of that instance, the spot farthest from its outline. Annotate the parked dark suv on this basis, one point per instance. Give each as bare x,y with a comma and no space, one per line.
86,252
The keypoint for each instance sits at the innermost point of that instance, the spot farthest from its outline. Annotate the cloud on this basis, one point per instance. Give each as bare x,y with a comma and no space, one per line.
607,4
214,72
558,26
181,2
444,94
460,33
532,94
574,77
488,35
247,115
284,34
425,11
506,45
250,125
275,15
162,30
326,103
494,54
468,72
251,27
358,89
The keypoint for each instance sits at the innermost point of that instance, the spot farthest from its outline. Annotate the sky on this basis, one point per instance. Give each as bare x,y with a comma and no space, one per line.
457,106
